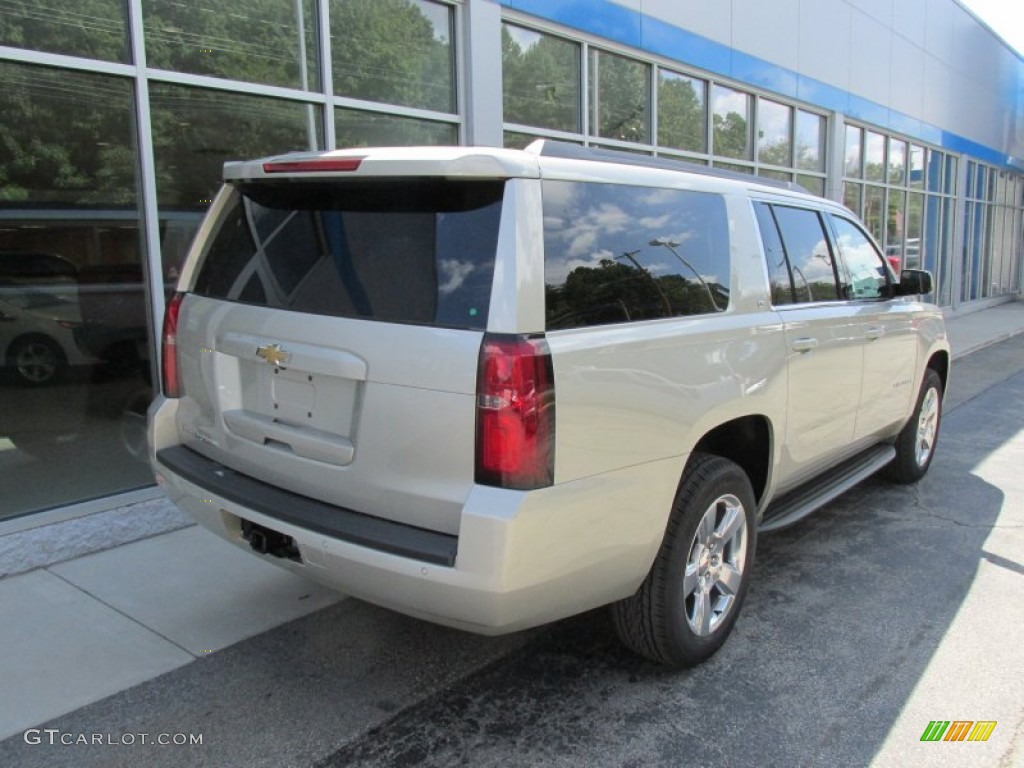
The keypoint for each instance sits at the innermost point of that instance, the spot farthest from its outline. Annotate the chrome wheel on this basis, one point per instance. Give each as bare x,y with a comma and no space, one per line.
927,427
714,566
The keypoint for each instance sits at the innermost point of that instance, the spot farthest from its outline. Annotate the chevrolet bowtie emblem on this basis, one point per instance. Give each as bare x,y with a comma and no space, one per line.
273,354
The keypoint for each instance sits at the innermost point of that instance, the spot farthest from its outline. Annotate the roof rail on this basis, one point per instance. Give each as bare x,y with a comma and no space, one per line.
564,149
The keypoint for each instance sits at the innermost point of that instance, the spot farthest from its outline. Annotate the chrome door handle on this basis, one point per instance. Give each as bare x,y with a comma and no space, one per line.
874,332
805,344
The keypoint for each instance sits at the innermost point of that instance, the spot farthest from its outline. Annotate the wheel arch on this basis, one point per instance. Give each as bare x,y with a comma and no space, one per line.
746,441
939,362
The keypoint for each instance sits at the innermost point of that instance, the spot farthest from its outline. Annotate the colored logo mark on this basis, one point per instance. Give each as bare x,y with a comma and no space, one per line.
958,730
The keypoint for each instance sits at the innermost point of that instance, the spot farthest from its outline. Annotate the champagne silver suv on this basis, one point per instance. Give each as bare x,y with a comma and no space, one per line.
494,388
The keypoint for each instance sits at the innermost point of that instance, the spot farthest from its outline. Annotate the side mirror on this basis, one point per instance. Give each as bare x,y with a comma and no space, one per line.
914,282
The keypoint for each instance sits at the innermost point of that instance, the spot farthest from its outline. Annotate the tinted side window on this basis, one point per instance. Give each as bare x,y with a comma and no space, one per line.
810,259
778,268
868,273
403,251
615,253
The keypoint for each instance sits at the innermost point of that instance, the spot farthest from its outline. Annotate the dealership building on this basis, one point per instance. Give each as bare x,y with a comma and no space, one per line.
117,115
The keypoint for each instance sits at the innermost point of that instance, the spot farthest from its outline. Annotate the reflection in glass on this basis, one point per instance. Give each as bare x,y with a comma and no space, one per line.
769,173
195,131
619,97
867,273
813,184
874,156
810,258
915,228
517,140
731,123
736,167
853,153
273,43
895,225
810,141
916,167
394,51
615,253
774,129
897,161
682,112
94,29
74,382
851,196
934,181
949,186
540,79
874,218
354,128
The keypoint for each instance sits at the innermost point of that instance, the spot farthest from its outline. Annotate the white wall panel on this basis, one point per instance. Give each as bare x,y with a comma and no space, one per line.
710,18
938,31
940,98
906,81
870,58
880,10
909,20
768,30
825,41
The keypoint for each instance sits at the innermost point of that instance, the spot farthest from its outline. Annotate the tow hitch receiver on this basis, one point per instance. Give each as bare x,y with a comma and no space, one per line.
268,542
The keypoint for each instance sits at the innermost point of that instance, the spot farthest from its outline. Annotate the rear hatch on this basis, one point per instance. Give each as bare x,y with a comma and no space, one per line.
328,343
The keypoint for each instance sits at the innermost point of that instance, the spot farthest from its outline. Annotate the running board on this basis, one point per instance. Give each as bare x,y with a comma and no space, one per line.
798,504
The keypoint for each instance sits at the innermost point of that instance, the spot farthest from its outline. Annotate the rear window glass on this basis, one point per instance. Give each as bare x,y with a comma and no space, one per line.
404,251
615,253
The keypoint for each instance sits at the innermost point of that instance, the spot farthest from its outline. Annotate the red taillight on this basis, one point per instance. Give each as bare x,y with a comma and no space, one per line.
169,346
314,165
515,413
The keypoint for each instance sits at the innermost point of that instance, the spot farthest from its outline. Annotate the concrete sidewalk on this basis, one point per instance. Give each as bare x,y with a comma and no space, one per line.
81,630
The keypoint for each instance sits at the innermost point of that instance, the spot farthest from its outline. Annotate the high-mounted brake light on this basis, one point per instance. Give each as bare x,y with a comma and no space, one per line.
169,347
515,413
315,165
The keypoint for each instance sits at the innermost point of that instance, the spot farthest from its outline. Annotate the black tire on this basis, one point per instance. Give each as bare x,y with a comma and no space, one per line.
36,360
658,621
915,445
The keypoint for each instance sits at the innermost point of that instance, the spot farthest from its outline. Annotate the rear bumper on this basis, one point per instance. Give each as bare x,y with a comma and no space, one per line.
522,558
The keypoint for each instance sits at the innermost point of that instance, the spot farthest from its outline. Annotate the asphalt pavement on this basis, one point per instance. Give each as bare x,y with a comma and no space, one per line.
890,608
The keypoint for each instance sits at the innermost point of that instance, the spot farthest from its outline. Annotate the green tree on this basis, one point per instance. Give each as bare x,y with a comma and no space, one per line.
67,138
731,136
681,116
541,85
252,40
619,97
94,29
387,51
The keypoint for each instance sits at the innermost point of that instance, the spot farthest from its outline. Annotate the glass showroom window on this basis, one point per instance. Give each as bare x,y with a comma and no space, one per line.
269,43
682,112
190,146
810,151
540,81
620,94
360,128
903,192
96,29
399,53
730,120
73,341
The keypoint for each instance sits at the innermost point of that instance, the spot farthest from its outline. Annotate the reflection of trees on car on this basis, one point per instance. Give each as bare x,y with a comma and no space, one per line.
613,292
